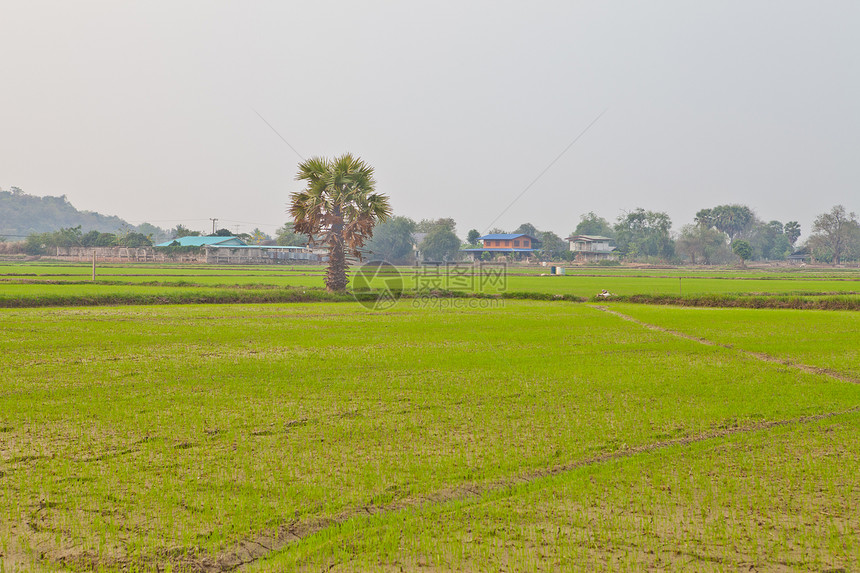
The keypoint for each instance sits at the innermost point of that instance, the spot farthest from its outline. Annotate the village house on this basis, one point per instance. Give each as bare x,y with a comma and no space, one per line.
516,245
592,248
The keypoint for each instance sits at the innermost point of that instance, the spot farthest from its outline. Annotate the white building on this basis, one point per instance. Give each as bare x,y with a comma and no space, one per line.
589,248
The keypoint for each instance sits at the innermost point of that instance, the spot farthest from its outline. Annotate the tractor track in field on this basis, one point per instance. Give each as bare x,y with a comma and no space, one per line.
261,546
762,356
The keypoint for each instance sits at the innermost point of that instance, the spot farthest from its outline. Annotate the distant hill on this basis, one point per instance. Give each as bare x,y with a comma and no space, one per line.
22,214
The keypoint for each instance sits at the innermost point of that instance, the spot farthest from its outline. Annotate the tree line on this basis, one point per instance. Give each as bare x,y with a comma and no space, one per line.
725,234
719,235
397,240
43,243
722,234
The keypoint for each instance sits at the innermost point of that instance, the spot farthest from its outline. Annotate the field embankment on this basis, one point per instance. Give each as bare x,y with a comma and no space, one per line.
807,301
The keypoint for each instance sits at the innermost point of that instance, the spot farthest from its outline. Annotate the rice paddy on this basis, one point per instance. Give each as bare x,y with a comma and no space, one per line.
147,284
485,435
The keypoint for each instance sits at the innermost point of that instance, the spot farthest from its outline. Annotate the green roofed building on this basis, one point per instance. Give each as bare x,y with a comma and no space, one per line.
194,241
232,250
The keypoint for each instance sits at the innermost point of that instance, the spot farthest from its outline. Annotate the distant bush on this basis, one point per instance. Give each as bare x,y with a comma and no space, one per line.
176,249
12,248
37,243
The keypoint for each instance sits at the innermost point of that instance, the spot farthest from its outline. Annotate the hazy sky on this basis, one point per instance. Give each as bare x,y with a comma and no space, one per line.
146,109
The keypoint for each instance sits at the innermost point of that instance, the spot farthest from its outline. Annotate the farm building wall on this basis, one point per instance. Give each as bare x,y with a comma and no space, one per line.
107,254
220,255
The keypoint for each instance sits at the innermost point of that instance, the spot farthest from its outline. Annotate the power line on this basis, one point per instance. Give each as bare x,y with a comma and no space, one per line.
547,168
164,221
251,223
278,134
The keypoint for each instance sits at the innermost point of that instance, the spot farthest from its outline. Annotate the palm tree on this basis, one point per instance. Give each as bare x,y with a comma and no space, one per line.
338,209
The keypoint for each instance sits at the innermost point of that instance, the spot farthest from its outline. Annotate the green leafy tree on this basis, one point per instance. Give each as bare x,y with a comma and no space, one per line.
106,240
702,244
472,237
183,231
642,233
89,239
392,240
528,229
440,244
705,218
835,234
769,241
551,245
69,237
36,243
732,220
338,208
258,237
135,239
428,225
591,224
743,250
286,236
792,232
96,239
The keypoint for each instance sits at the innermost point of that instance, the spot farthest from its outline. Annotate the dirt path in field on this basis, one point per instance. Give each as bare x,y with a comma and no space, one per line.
752,354
267,542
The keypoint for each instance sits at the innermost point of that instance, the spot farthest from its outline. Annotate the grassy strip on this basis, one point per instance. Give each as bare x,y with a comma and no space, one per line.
209,296
250,295
179,283
259,293
443,293
735,301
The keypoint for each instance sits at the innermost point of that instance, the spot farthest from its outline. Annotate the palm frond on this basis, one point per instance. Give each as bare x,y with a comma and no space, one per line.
313,169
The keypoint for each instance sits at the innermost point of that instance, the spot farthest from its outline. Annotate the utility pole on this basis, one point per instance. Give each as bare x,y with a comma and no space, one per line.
213,224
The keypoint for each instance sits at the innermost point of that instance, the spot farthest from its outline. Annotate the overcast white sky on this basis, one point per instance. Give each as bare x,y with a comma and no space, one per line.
146,109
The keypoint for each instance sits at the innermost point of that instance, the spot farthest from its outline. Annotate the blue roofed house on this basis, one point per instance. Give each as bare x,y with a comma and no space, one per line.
515,245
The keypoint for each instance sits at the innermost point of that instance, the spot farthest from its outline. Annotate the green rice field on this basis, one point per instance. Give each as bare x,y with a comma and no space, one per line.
440,434
23,281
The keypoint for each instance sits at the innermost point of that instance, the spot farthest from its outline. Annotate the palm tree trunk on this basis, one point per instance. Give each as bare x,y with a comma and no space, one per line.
335,275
